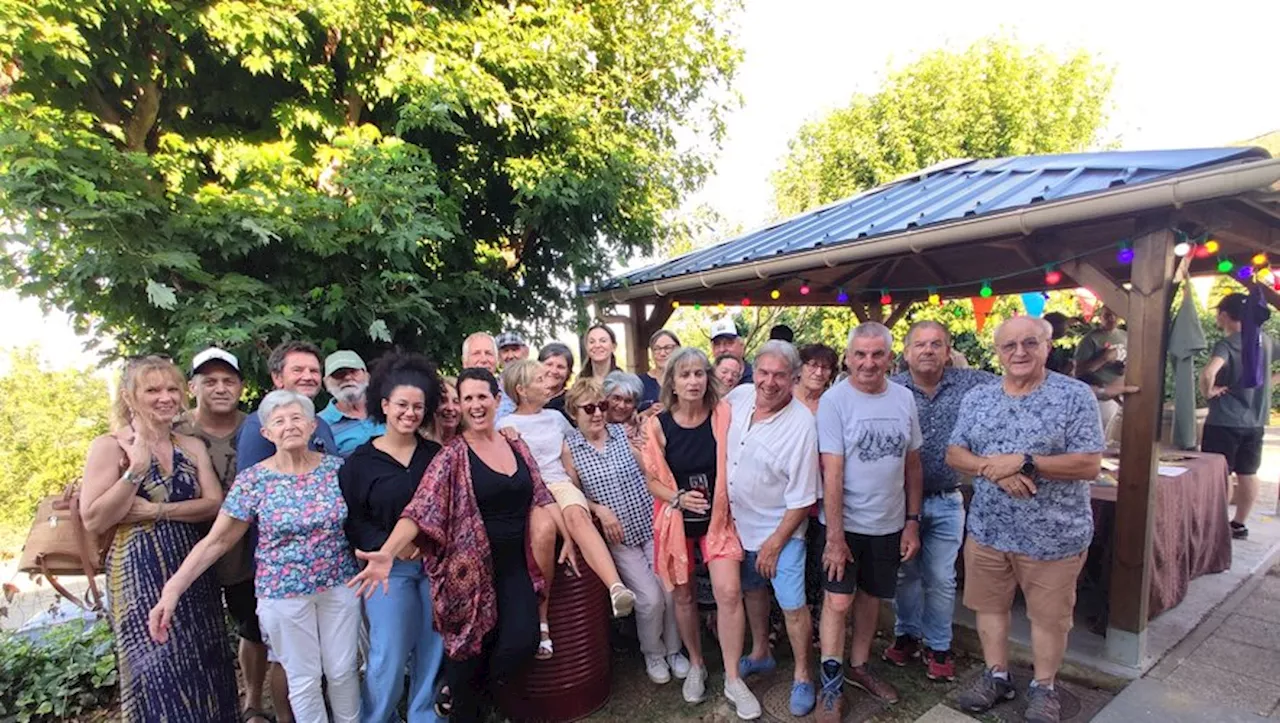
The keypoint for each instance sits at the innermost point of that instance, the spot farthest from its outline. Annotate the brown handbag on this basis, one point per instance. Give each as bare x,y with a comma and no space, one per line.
60,544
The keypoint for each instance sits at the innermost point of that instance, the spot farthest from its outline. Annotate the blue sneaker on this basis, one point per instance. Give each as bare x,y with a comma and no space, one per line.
747,666
803,699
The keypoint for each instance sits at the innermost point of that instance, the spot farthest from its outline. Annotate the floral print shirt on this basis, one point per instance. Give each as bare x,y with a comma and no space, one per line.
302,548
1058,417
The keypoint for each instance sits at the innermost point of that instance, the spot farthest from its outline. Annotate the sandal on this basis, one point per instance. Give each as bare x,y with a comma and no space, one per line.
622,599
444,702
251,713
545,649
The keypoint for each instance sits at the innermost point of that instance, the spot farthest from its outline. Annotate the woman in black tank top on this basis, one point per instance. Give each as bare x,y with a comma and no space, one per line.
691,455
690,395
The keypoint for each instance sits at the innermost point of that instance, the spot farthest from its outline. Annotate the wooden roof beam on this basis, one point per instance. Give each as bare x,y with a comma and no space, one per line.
1089,274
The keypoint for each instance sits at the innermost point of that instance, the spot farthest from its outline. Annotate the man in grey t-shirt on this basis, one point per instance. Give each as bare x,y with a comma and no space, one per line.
1238,416
872,479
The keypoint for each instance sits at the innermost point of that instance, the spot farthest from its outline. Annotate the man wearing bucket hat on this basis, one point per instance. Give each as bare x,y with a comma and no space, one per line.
346,379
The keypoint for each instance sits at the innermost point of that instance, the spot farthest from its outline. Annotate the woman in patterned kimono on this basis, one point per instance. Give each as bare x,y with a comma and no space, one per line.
469,517
150,489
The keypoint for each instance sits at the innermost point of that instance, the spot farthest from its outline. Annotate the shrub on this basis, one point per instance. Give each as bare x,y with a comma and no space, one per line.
67,674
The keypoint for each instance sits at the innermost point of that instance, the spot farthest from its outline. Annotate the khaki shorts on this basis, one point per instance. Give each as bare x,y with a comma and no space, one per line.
567,494
990,577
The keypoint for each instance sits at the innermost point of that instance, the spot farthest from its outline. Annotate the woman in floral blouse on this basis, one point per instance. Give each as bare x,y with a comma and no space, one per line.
309,617
469,517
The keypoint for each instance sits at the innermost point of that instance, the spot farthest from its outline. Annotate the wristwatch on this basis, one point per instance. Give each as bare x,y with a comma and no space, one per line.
1028,466
129,478
913,518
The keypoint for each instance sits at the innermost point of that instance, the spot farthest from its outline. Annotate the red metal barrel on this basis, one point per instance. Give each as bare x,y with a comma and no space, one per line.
576,681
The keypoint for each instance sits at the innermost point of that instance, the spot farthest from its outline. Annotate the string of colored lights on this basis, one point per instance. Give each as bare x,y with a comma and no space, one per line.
1203,246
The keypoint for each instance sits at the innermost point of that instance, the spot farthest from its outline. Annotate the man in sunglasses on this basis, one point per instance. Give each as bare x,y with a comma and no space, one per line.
1032,443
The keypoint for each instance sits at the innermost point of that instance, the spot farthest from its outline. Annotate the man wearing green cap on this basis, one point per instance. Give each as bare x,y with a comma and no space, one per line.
346,379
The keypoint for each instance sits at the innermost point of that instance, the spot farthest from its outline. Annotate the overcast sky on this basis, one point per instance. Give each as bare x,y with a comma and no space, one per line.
1184,77
1201,75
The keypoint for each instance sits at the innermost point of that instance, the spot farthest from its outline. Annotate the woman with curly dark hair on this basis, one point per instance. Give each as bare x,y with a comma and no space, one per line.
377,482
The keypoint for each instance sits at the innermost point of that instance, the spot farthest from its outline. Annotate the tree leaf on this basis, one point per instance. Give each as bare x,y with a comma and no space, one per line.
160,295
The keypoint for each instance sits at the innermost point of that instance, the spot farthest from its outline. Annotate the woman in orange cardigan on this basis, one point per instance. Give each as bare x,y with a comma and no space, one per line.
684,460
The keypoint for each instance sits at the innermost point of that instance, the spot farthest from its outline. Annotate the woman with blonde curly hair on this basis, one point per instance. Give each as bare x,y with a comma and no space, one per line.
150,490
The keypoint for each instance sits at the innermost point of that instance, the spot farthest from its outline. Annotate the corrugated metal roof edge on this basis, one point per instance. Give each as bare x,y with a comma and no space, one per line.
620,282
1174,190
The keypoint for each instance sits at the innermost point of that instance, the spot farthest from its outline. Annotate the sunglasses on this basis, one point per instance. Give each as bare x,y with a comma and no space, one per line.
601,407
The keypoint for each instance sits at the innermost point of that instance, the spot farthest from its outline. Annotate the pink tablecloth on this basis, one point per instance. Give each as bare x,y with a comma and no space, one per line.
1192,536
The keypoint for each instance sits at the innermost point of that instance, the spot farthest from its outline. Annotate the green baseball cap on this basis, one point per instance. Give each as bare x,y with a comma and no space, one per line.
342,359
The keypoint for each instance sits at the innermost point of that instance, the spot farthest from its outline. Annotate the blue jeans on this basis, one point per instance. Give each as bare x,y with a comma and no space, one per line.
400,633
926,598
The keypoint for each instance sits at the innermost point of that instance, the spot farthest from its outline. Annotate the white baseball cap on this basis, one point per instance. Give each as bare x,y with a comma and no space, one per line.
213,353
723,326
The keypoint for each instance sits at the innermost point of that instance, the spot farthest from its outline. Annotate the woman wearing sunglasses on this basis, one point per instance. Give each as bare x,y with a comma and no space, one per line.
606,464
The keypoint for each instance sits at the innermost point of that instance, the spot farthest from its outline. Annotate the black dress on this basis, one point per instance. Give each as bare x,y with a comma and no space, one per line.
504,506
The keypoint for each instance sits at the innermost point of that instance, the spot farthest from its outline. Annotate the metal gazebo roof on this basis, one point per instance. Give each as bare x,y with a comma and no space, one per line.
952,203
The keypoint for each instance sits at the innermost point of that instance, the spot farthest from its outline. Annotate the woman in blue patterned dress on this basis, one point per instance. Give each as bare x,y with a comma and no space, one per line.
150,489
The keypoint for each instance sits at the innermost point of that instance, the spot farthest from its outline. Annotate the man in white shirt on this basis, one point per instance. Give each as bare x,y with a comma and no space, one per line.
869,439
772,468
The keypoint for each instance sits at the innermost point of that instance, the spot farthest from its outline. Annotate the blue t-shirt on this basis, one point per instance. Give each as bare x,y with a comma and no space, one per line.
652,390
349,432
1058,417
252,447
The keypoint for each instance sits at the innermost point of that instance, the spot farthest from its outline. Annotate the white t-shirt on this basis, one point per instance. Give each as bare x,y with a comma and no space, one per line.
873,432
544,432
772,466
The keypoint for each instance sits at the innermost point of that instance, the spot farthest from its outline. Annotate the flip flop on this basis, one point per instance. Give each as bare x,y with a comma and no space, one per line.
250,713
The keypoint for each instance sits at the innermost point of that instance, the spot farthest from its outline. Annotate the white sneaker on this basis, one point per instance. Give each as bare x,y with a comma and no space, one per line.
679,665
657,669
695,684
743,700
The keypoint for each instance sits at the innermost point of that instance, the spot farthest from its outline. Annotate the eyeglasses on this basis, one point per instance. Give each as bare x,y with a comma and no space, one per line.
1030,344
601,407
817,368
664,348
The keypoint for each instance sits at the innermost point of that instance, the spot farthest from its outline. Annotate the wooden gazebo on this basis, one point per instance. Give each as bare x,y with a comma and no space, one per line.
1123,224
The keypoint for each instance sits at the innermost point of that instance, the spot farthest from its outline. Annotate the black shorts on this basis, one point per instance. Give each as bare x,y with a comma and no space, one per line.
1241,446
242,604
874,569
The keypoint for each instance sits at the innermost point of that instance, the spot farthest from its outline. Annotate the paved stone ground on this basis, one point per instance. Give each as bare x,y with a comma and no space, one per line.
1232,660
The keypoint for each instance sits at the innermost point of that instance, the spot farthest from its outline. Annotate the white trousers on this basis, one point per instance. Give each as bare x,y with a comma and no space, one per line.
315,636
655,610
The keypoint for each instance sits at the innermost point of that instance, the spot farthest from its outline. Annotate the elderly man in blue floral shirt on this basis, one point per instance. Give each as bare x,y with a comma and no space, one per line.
1033,443
926,597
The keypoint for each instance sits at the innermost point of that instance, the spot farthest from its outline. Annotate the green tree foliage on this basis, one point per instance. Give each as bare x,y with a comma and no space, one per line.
995,99
360,174
69,674
47,419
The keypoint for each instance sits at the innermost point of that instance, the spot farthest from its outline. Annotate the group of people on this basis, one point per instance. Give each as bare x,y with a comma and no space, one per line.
417,522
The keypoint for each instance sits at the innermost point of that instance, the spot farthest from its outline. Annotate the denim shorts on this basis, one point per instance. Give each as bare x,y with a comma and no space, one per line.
788,580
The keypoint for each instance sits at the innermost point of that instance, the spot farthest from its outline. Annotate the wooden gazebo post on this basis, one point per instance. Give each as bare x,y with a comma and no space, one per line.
1148,325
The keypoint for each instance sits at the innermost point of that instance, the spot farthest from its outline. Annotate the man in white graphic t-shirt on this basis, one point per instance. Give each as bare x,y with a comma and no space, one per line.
872,480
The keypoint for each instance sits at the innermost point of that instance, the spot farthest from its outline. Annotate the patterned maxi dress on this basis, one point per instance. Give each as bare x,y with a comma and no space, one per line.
191,677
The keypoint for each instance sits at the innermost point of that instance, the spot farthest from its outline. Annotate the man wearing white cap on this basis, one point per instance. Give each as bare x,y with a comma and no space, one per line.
346,379
725,340
216,386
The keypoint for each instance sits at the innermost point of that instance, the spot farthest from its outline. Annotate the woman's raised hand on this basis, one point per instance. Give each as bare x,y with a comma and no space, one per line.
375,572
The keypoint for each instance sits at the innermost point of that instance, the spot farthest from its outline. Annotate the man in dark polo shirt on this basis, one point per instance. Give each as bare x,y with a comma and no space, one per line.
216,386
